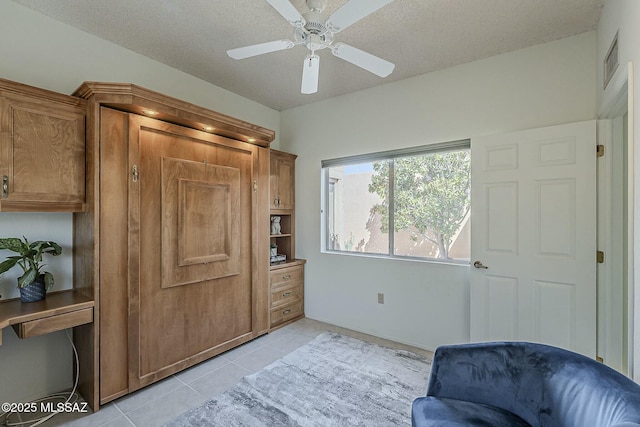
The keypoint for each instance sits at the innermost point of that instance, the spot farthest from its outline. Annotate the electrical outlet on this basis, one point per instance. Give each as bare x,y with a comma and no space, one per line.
380,298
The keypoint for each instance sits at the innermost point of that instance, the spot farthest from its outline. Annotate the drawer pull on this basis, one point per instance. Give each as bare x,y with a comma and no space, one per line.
287,277
5,186
286,294
287,311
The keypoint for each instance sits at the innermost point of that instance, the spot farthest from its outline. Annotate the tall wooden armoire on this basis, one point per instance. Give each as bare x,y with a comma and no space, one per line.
174,238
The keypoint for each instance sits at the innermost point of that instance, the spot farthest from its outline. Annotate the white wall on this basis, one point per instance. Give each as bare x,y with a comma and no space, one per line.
426,304
623,16
42,52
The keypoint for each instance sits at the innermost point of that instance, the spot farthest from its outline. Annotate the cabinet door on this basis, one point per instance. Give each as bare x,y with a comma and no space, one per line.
282,180
42,155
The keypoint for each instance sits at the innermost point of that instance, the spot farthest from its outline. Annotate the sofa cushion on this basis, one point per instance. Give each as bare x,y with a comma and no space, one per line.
442,412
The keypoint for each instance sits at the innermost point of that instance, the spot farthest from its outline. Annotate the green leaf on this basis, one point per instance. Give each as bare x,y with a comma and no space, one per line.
8,264
53,249
48,280
39,247
27,278
12,244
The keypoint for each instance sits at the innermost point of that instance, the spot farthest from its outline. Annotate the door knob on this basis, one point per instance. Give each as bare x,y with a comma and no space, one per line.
478,264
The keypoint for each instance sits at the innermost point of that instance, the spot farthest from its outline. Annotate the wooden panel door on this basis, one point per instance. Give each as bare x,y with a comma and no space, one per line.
533,237
191,210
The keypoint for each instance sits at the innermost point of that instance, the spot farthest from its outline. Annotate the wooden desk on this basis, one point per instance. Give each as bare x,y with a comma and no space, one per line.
58,311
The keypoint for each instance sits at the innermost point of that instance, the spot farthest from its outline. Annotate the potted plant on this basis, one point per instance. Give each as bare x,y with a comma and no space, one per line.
34,283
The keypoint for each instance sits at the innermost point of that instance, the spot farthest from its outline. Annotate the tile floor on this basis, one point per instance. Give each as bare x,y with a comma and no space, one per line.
165,400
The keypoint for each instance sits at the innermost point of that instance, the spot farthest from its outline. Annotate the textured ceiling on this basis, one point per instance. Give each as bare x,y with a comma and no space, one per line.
419,36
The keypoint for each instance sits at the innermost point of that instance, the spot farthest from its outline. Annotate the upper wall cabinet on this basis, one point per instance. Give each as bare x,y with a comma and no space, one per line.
42,150
281,180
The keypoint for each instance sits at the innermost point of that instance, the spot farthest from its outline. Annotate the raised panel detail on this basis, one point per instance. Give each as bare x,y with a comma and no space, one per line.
501,296
556,217
502,224
561,151
47,141
555,310
503,157
203,207
198,224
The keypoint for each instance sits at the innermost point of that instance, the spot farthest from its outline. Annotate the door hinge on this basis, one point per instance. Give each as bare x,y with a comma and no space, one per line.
599,257
134,173
5,186
599,150
255,186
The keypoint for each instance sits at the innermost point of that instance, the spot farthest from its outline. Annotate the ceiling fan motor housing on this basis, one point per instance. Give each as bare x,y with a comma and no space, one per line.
315,35
315,22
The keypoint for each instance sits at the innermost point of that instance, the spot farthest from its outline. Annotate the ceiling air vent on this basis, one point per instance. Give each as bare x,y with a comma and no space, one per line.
611,61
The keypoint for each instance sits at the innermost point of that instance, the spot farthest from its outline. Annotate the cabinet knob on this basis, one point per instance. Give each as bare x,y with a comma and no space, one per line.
286,311
287,277
286,294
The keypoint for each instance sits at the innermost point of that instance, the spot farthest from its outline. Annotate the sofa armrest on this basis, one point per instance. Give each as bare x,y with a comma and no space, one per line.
496,374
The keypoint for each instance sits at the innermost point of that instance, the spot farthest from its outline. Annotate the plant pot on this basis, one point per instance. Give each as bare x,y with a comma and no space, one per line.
35,291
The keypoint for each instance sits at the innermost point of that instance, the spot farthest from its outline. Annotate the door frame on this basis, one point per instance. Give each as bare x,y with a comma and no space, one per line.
618,348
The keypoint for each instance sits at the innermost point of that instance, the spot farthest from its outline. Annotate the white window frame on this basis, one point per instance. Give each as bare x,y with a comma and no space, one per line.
464,144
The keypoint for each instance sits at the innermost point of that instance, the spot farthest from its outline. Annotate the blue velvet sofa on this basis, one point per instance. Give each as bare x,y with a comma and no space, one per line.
514,384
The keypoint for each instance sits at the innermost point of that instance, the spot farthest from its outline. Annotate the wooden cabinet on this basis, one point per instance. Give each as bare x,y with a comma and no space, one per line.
282,178
287,272
282,199
42,150
172,239
287,293
185,244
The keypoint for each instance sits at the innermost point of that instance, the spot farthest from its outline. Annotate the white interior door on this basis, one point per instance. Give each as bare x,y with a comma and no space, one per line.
533,274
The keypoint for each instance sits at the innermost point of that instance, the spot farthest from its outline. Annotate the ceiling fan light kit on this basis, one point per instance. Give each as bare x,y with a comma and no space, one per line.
313,31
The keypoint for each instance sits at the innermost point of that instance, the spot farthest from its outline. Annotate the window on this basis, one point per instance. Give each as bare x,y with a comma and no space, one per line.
403,203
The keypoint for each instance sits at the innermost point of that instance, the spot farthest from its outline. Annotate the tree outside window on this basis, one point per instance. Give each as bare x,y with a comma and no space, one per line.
424,198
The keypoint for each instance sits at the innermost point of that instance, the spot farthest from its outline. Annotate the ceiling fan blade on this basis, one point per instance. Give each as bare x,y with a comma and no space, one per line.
362,59
288,12
259,49
310,74
353,11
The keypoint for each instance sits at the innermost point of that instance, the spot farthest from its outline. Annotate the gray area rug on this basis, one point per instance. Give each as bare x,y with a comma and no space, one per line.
333,380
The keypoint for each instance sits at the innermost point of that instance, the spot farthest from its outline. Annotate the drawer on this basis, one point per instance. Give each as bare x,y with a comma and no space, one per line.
54,323
287,312
286,295
286,276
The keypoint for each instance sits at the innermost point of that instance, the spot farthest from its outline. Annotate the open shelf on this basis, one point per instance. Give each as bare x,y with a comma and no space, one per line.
280,235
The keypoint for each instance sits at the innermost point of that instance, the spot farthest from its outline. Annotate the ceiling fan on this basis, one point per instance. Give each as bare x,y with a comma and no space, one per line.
316,32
